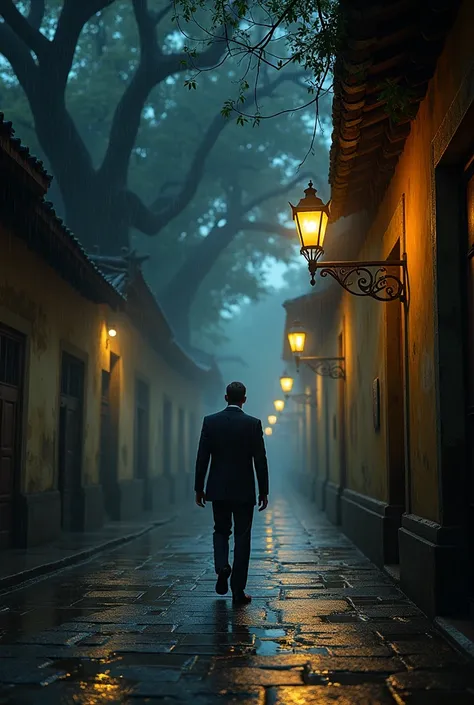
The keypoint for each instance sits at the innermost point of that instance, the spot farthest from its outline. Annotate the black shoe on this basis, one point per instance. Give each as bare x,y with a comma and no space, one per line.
222,586
241,599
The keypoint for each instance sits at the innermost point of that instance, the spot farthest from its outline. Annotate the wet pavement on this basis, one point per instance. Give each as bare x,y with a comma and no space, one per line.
142,624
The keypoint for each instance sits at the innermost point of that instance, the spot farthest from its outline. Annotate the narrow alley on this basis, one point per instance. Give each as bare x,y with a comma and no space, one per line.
142,624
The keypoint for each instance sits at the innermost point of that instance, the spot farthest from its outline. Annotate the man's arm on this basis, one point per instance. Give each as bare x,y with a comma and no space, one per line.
260,462
203,457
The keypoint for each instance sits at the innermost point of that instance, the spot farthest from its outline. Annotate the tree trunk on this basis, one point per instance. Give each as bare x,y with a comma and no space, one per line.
178,296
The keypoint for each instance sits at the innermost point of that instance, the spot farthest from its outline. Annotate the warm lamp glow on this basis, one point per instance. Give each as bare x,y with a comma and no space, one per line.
297,338
268,431
279,404
272,419
286,383
311,217
112,332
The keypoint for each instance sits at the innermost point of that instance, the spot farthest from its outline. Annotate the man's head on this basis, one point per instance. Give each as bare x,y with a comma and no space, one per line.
236,393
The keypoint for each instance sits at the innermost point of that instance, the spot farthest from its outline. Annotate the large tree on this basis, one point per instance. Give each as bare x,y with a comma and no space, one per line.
97,87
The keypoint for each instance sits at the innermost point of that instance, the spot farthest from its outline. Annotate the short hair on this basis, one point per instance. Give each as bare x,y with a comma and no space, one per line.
236,392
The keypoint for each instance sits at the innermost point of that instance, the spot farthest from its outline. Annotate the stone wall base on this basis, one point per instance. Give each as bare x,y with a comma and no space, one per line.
433,566
39,518
130,499
333,502
92,508
372,525
320,493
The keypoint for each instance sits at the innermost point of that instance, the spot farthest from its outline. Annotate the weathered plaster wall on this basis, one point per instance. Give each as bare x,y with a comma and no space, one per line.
53,316
37,302
406,213
139,360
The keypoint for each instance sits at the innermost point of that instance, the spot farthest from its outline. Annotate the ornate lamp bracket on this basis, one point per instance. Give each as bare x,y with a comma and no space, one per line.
377,279
332,367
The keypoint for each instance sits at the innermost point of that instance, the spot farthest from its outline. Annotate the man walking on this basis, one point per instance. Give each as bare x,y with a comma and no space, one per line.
233,442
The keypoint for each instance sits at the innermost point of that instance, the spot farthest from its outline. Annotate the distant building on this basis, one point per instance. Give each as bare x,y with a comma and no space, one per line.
388,452
92,424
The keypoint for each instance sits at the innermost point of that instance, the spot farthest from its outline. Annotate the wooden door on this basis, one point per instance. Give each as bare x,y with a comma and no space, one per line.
470,368
341,421
70,440
167,411
11,368
142,430
181,442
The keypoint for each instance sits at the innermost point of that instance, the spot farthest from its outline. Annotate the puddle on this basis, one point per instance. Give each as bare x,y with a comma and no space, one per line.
271,616
267,648
269,633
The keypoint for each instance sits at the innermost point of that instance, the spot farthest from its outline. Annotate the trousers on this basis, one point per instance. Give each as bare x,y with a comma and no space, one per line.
242,514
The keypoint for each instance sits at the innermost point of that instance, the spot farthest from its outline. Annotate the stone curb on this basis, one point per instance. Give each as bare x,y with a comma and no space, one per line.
79,557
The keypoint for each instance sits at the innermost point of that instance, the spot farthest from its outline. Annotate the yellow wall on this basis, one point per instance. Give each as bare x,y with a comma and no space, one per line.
405,214
138,359
53,316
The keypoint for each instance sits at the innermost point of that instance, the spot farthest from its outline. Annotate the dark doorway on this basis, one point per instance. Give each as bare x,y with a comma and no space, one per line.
142,436
166,445
11,376
192,442
394,408
181,442
469,249
70,440
341,418
110,390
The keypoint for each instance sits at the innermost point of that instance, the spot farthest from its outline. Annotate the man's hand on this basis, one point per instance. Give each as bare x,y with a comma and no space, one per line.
201,499
262,502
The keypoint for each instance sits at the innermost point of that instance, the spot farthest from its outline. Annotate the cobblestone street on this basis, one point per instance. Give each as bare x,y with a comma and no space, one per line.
142,624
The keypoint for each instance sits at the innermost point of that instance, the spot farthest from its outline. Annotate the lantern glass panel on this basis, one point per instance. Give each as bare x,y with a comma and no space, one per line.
297,341
312,227
286,384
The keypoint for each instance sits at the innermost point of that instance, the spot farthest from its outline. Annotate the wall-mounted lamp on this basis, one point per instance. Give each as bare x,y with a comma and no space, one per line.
268,431
323,366
371,278
279,405
111,333
286,383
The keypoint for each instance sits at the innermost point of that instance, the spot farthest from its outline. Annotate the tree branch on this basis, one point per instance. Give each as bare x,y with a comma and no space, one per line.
71,21
267,195
36,13
19,56
150,223
267,227
20,24
152,70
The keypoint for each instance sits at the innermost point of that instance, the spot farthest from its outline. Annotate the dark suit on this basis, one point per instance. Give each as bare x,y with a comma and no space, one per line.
233,442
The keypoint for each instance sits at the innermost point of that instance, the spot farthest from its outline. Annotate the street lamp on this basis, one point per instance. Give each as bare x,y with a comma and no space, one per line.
297,338
311,217
323,366
111,333
370,278
268,431
279,405
272,419
286,383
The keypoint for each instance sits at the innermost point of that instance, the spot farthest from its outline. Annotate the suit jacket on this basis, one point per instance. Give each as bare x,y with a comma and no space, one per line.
233,442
